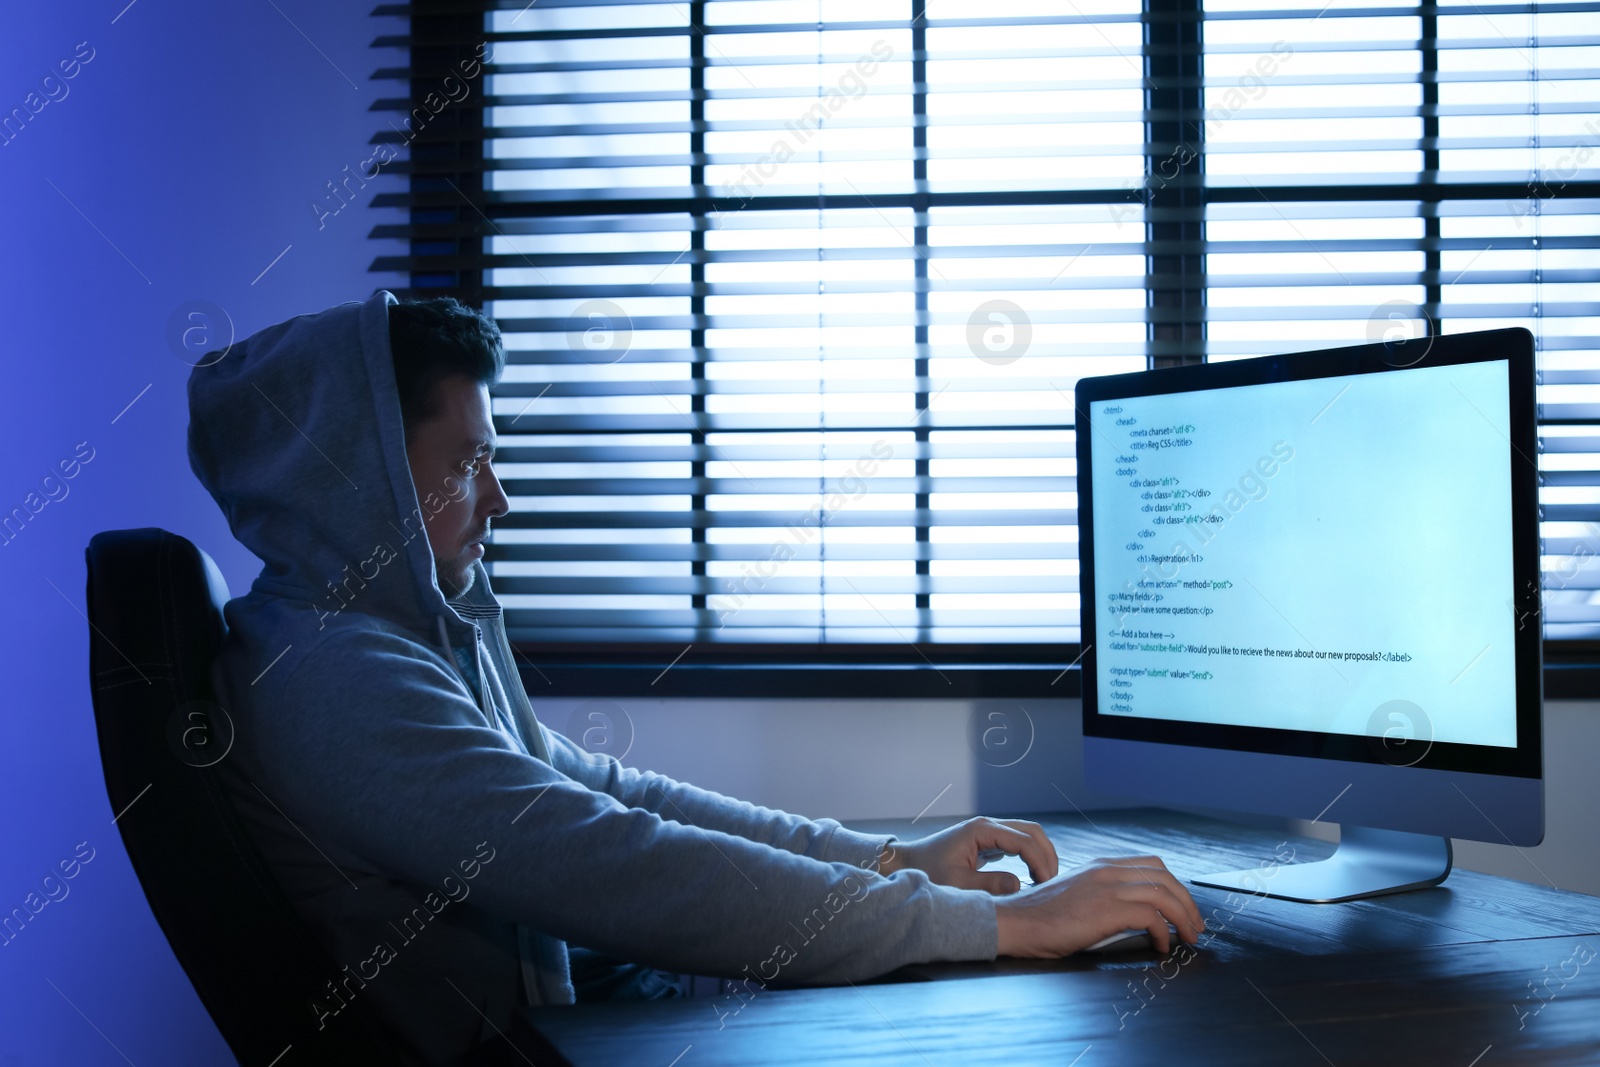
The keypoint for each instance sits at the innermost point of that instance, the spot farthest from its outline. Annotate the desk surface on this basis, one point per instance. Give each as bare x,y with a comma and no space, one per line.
1481,970
1469,907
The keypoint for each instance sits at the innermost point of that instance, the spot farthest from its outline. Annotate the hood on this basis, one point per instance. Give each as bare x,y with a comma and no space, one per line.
296,432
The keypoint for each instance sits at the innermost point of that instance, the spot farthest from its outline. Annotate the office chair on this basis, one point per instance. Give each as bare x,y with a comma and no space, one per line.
155,619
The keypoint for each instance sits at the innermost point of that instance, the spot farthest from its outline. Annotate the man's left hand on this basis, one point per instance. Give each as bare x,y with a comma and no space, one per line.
951,857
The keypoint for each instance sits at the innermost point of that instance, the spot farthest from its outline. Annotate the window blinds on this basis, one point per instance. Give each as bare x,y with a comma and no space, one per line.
1393,171
795,294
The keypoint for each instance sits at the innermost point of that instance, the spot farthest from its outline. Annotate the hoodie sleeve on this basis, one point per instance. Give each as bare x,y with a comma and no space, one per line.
378,745
821,839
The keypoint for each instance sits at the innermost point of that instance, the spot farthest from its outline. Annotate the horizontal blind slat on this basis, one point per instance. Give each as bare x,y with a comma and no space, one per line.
748,319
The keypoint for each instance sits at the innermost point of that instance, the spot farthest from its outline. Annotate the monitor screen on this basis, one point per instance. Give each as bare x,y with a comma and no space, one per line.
1316,555
1296,554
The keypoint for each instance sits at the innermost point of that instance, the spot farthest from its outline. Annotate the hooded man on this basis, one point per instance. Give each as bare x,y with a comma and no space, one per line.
444,844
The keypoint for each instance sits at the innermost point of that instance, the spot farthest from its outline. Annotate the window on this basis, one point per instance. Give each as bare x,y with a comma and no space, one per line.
795,294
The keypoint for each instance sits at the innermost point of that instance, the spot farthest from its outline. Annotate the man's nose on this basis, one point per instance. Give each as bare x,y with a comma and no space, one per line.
494,502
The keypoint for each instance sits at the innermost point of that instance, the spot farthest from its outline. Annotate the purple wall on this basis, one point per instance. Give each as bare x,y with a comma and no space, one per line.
190,146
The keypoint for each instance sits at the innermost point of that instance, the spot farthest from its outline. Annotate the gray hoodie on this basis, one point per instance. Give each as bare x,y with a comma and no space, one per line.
442,842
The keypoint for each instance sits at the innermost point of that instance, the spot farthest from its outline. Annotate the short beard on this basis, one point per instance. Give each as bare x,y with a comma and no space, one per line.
448,588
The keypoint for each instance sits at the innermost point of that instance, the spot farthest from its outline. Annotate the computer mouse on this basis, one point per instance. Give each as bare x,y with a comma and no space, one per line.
1122,941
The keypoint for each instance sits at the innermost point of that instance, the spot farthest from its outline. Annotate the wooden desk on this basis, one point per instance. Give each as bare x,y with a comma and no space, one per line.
1469,907
1481,970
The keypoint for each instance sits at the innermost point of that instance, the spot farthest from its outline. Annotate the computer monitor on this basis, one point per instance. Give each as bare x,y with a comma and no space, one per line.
1310,588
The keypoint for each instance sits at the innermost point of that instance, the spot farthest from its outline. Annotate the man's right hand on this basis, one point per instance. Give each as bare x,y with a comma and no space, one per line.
1100,898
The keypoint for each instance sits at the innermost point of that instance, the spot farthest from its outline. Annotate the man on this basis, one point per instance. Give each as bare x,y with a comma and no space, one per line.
444,844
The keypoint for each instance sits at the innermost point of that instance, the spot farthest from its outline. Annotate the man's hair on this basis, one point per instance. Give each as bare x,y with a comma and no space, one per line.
439,338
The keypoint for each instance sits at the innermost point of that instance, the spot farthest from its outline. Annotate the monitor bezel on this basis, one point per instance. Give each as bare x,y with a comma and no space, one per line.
1516,347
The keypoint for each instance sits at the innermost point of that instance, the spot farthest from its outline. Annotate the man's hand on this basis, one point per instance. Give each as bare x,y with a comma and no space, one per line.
1094,901
950,857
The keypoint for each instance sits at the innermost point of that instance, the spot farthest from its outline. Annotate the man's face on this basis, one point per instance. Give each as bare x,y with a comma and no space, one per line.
450,456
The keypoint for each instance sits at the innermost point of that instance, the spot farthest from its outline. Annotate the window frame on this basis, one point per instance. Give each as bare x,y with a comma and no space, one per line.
450,219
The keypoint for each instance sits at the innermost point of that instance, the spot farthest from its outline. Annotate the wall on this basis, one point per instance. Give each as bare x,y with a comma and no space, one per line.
894,759
849,759
176,165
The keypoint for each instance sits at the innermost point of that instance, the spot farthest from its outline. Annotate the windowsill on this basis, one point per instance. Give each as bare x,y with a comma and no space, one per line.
1565,681
810,680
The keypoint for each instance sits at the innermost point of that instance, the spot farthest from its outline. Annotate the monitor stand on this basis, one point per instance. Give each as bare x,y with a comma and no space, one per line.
1367,863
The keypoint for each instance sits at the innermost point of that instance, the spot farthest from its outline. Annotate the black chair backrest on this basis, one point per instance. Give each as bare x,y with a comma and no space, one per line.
155,620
